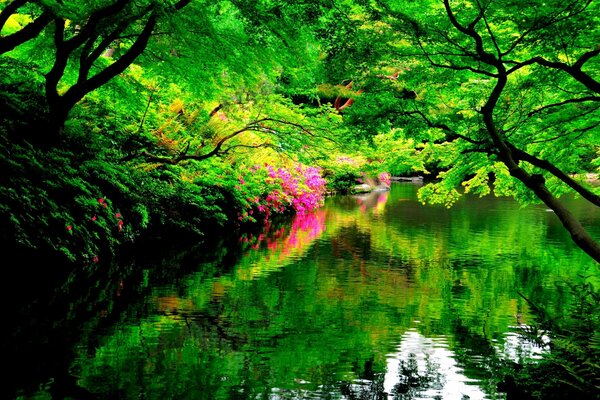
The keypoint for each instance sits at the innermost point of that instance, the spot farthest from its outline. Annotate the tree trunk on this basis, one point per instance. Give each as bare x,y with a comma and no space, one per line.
51,134
536,183
579,235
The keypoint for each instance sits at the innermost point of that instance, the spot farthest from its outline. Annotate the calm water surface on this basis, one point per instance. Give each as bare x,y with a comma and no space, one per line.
373,297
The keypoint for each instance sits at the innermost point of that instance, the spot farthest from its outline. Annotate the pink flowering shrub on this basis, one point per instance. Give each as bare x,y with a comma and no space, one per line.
265,190
302,186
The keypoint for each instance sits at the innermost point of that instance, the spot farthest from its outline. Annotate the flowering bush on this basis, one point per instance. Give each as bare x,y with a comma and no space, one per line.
265,190
302,186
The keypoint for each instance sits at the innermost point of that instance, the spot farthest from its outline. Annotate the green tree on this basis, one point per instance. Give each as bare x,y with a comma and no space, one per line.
231,47
90,41
507,97
80,35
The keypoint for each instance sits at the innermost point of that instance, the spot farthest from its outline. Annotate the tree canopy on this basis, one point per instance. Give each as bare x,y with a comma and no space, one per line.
506,97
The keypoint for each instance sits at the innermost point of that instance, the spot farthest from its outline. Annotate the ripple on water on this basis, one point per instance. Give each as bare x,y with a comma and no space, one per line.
427,369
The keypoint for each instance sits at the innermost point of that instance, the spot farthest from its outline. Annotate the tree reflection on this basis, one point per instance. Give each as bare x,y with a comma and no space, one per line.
414,379
413,382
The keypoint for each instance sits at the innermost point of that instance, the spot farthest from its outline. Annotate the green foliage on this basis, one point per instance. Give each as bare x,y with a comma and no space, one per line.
342,172
47,205
571,368
21,96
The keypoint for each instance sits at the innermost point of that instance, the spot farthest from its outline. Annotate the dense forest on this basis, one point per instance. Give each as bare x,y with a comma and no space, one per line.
126,123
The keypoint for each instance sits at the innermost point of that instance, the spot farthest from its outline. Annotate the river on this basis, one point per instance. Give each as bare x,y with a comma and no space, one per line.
370,297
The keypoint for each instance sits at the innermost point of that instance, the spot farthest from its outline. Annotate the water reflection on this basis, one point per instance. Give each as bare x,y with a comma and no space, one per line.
277,247
323,307
373,202
425,368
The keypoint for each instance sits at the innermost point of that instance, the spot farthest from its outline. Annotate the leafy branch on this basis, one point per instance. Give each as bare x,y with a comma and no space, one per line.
574,70
450,133
222,147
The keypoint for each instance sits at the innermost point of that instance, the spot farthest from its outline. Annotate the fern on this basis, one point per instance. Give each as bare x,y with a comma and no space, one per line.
571,367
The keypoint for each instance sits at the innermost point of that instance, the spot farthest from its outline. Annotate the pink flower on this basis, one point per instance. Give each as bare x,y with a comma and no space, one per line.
94,218
118,215
69,228
95,259
120,225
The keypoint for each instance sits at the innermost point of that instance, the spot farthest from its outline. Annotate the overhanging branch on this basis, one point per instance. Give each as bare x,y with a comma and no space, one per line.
554,170
451,134
219,148
575,70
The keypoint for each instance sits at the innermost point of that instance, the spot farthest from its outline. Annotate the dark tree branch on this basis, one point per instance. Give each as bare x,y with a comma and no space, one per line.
563,134
470,31
586,57
89,56
518,65
455,67
489,29
248,146
542,23
588,128
548,166
89,28
575,70
487,151
464,51
80,89
450,134
562,103
219,148
58,69
28,32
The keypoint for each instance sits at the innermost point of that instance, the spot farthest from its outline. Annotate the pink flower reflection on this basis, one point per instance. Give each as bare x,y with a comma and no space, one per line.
305,228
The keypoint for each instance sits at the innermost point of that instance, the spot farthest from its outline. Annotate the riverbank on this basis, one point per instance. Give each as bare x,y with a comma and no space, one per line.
80,203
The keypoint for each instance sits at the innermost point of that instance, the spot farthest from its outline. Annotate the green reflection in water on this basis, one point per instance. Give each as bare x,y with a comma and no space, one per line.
373,297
